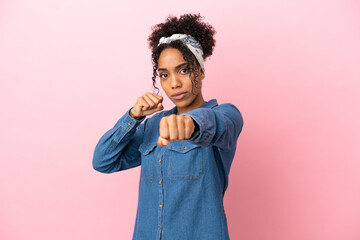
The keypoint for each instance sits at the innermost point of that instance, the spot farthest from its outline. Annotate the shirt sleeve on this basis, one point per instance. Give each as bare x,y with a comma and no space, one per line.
117,149
219,126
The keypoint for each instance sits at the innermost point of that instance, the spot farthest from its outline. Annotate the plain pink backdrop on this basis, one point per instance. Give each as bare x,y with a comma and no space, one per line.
70,69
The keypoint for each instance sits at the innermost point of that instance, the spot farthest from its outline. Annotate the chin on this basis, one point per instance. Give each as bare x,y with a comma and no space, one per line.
182,103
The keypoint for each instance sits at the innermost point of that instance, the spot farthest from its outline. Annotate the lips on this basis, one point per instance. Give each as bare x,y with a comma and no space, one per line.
179,95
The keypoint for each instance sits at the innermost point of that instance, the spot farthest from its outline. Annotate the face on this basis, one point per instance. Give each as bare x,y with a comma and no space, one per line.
175,81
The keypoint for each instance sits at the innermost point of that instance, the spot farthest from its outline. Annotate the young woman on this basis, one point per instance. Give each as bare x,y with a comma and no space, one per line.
186,152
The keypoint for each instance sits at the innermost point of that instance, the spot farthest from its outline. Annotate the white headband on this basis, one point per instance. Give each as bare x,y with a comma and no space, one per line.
192,44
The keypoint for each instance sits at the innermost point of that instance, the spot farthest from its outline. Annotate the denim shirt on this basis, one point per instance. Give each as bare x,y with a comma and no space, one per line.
181,185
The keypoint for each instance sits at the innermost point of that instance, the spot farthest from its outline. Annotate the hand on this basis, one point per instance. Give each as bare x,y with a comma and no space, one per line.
175,127
147,104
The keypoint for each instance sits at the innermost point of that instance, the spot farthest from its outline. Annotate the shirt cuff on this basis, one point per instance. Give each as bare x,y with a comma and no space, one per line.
127,122
196,132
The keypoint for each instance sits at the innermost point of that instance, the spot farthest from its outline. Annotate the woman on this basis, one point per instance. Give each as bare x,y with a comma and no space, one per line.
185,153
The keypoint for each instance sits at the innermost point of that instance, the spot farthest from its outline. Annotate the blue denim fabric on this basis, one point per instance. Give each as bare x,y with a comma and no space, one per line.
182,185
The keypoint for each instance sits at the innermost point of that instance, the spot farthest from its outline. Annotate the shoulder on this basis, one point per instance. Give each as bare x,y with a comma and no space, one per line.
231,112
213,104
227,107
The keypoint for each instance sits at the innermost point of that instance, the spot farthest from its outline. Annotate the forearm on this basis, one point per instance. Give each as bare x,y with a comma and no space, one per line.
219,126
117,148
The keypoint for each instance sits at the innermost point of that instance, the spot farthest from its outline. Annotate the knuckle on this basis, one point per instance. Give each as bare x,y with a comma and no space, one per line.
163,121
181,119
189,121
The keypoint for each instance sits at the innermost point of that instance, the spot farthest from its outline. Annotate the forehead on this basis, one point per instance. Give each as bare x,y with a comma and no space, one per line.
170,58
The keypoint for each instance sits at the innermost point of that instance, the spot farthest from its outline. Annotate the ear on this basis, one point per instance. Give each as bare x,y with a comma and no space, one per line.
202,75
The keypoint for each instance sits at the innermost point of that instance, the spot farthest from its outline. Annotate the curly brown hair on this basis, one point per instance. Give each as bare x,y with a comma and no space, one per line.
190,24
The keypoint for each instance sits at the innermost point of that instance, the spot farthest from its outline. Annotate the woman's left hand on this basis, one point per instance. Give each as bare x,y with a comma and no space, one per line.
175,127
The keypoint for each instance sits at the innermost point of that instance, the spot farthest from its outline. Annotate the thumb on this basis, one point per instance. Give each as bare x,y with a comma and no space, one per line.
159,107
162,142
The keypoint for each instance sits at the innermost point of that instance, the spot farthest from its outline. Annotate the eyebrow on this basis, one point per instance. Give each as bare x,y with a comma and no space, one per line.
178,66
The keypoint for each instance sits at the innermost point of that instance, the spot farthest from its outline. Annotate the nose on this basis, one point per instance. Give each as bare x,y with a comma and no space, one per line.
175,82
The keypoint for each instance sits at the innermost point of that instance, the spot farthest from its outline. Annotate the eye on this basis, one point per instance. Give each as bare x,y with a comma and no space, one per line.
163,75
184,70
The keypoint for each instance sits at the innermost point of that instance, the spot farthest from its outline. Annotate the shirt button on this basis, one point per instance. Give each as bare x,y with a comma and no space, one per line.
160,182
161,205
185,148
159,227
129,123
159,161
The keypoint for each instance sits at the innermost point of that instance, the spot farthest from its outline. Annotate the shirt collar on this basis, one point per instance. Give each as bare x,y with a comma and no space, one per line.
209,104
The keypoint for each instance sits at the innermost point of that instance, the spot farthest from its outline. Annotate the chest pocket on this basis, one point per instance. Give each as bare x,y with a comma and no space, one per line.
185,161
147,159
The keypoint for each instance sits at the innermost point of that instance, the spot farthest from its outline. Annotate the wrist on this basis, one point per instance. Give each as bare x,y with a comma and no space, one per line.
131,113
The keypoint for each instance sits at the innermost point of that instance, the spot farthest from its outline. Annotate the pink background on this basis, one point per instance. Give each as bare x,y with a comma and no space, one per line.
70,69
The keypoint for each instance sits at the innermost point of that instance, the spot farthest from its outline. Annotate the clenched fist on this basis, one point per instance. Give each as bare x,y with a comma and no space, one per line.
147,104
175,127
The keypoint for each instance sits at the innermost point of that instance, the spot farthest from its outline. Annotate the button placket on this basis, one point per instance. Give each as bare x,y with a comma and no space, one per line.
161,194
